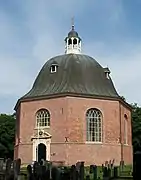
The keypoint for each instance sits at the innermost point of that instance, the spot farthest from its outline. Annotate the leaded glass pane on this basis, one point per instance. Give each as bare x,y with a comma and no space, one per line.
94,125
43,118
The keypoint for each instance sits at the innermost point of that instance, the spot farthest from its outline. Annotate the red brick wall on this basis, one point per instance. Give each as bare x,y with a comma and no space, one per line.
25,153
127,148
68,120
77,108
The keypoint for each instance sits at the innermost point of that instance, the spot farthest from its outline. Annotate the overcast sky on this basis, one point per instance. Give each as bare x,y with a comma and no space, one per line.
32,31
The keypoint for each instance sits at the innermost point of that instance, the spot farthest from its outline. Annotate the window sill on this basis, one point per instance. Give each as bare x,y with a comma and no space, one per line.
126,144
42,127
91,142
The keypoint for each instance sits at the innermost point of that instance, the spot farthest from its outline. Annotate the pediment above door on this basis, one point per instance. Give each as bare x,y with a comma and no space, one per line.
41,134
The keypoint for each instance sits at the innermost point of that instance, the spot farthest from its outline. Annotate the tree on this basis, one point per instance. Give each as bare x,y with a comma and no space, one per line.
136,127
123,98
7,135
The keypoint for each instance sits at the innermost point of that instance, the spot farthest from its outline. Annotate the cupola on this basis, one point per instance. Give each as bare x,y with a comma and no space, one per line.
73,42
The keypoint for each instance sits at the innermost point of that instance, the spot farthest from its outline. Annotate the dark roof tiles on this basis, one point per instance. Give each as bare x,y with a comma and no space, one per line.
78,74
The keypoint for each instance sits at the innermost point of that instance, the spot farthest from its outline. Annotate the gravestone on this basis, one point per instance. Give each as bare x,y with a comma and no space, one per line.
74,172
54,173
106,163
36,170
29,173
82,171
115,172
1,164
105,173
87,177
93,170
78,164
16,168
8,169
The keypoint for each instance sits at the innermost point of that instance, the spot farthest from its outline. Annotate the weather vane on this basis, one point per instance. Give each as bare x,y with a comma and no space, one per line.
72,23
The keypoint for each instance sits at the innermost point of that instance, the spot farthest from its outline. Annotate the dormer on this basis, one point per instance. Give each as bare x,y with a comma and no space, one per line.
107,72
53,67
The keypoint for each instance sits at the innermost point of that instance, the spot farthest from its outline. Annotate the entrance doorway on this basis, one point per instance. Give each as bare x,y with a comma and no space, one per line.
41,152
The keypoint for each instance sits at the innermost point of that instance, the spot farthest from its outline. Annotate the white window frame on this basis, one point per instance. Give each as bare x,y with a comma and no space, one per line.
42,119
94,119
55,68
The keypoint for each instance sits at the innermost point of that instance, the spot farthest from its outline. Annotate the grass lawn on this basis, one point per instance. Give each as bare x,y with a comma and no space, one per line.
125,173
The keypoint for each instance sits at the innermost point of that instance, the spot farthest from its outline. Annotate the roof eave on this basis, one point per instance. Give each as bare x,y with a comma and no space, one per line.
118,98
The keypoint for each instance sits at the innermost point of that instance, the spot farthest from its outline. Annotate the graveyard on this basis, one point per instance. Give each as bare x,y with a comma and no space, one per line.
46,170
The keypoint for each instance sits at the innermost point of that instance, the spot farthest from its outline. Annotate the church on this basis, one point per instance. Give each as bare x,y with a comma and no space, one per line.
73,113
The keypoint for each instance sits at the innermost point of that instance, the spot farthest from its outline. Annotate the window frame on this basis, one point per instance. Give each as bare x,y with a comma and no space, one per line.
53,66
42,119
125,129
99,133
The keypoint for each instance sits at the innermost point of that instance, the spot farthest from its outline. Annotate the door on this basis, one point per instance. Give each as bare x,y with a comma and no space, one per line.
41,152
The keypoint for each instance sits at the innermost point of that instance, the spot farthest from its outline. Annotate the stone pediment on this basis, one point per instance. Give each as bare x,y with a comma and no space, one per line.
41,135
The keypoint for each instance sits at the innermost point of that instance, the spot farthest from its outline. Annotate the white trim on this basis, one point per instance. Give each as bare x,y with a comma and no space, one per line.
94,125
93,142
55,68
36,142
73,48
41,127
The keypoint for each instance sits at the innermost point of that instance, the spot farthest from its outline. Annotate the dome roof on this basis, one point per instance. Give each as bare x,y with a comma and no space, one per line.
72,33
76,74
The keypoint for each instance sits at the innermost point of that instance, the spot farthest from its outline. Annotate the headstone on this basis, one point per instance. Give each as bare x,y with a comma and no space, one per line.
1,164
43,177
29,173
115,172
8,168
113,162
110,162
65,174
81,174
54,173
36,170
16,168
109,172
106,163
74,173
121,167
78,164
95,173
93,170
102,167
87,177
105,172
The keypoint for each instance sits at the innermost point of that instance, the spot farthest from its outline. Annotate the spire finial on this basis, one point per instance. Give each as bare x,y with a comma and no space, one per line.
72,23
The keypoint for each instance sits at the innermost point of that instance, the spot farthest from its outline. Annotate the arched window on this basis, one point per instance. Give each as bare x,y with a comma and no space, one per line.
75,41
70,42
94,125
43,118
125,129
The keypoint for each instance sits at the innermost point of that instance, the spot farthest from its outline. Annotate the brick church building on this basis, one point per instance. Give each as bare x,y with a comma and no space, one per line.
73,113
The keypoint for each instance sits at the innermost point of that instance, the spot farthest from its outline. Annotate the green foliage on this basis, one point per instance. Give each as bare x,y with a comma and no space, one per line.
136,127
123,98
7,135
